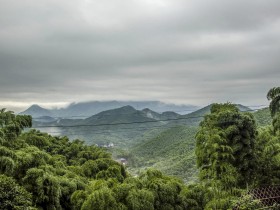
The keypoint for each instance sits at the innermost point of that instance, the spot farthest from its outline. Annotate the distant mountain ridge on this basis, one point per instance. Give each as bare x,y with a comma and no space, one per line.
122,126
87,109
119,125
125,114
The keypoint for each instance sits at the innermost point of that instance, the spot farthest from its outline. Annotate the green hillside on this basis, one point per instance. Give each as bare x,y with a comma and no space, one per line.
263,117
172,152
123,127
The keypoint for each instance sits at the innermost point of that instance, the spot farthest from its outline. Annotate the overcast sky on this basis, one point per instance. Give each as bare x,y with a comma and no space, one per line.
53,52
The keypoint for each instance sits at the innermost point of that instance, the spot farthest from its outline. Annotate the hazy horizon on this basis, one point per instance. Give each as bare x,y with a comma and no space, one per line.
22,107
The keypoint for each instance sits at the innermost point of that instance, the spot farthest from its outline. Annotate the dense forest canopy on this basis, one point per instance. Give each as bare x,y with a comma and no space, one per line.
39,171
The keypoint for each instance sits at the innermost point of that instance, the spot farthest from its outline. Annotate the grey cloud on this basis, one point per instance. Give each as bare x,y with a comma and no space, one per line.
182,51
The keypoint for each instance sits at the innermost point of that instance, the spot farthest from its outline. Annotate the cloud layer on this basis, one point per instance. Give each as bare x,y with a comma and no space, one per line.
193,52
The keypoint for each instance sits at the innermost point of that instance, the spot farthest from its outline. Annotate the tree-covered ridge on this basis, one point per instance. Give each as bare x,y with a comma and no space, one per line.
125,127
171,151
263,117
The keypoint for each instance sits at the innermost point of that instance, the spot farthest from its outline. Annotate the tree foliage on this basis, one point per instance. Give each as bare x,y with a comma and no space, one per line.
273,95
49,169
225,146
234,156
12,195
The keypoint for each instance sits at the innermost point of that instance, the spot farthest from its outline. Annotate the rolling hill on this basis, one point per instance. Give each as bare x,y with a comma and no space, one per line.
123,127
263,117
171,151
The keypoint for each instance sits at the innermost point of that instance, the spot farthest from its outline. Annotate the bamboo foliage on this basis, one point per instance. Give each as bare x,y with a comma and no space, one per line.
273,95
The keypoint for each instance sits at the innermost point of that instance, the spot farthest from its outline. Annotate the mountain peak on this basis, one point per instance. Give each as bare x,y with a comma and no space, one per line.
126,108
35,106
36,111
147,110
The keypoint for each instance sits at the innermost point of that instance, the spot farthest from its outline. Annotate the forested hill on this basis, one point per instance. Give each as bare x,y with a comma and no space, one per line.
169,150
263,117
123,126
172,152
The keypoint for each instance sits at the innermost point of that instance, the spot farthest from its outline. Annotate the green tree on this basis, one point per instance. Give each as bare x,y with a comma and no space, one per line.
45,188
104,168
140,200
273,95
247,202
195,196
166,190
225,146
36,138
13,196
101,199
226,157
78,198
268,157
7,161
30,157
12,125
